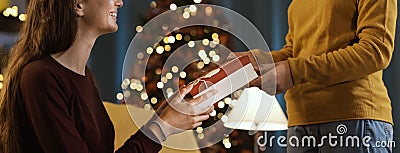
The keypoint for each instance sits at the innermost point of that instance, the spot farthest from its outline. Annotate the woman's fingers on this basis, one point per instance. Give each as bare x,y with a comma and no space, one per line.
200,118
184,91
203,97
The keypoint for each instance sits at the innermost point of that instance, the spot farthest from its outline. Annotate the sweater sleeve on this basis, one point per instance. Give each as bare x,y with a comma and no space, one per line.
286,52
46,106
376,32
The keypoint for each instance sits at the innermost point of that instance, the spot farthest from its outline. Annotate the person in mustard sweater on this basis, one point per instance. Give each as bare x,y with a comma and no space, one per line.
331,69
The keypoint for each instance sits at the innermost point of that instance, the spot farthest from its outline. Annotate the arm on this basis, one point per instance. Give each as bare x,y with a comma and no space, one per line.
172,118
47,108
376,32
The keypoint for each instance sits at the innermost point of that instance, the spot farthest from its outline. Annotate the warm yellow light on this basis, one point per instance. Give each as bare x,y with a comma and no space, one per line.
175,69
1,85
216,41
206,42
219,115
191,44
214,36
158,71
206,60
213,44
169,75
192,8
120,96
147,107
133,86
199,130
200,136
228,145
160,85
140,55
139,87
178,37
213,113
221,104
124,86
224,118
193,13
173,7
160,49
165,40
215,23
186,15
153,4
139,28
167,48
1,77
209,10
7,12
169,90
216,58
154,100
144,96
149,50
200,65
212,53
202,54
186,10
127,94
228,100
171,39
197,1
164,79
14,11
182,74
226,140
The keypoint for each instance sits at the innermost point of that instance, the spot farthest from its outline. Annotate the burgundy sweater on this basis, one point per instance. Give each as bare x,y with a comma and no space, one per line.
63,113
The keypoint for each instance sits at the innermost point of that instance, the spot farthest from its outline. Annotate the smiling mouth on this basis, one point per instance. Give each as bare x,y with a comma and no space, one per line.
114,14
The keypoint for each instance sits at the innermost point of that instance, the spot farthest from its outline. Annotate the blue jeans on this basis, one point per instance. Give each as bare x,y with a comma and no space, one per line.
353,136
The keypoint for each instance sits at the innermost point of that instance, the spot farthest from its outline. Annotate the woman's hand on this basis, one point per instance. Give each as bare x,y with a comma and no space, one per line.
179,115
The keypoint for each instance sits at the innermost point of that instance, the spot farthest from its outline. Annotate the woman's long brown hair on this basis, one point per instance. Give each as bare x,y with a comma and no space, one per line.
50,27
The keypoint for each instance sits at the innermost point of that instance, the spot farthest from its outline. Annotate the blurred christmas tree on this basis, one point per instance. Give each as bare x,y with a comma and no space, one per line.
157,73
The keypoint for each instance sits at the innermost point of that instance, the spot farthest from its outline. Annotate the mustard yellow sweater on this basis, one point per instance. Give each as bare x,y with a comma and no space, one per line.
337,50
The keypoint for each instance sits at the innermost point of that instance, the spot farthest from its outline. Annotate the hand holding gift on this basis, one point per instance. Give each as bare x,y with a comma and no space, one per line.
273,78
226,79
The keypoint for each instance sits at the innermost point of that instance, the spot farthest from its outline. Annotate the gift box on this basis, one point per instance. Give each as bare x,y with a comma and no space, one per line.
226,79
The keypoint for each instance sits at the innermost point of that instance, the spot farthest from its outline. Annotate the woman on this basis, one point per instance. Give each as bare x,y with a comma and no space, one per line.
50,103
